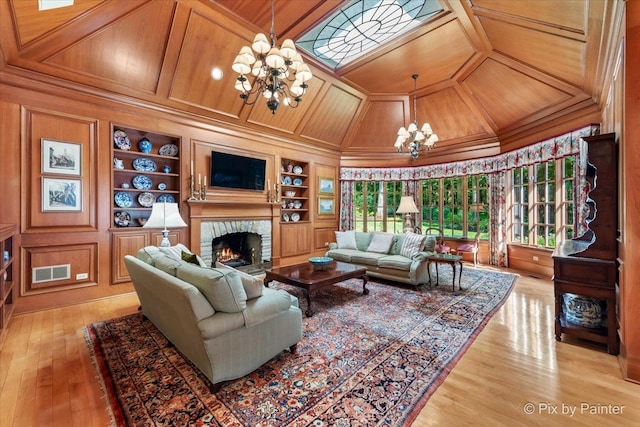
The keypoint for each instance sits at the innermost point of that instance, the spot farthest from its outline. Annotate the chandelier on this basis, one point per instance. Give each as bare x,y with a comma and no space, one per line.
413,139
274,70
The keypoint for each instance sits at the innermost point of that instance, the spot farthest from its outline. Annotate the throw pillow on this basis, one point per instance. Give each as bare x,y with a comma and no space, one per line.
192,258
166,264
346,239
412,243
252,285
380,243
223,289
176,251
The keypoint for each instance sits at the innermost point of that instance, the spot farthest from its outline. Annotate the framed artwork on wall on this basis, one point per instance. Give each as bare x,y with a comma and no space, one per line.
326,206
61,194
325,185
61,157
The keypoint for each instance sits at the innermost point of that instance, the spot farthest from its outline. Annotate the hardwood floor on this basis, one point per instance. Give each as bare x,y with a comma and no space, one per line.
515,365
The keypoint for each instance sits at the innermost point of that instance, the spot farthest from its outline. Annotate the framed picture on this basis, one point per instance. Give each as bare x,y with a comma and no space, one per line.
326,206
325,185
61,194
61,157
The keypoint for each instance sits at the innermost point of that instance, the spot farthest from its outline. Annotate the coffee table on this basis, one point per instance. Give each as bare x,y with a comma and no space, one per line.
452,260
305,277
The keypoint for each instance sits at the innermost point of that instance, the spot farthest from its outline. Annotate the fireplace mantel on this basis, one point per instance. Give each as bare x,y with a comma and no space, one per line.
223,210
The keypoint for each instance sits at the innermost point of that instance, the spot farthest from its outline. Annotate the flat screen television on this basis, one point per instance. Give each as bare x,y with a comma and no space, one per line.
233,171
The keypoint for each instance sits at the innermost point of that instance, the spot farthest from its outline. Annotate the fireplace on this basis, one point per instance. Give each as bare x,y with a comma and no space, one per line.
244,243
237,249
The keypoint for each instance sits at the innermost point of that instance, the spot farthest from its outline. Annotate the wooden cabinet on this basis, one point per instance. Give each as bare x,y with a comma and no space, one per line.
8,271
141,178
294,181
295,239
586,265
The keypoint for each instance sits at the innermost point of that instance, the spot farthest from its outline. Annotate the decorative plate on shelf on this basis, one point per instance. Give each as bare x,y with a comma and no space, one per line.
122,219
297,170
297,204
121,140
146,199
295,217
142,182
168,150
297,181
123,200
162,186
143,164
165,198
285,217
286,180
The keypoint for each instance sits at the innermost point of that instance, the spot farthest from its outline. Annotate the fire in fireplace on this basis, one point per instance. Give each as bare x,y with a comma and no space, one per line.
237,249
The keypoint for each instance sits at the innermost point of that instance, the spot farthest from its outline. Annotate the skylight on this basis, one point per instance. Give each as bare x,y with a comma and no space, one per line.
362,26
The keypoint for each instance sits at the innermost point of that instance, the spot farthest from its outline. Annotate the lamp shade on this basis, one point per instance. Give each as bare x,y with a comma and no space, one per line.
165,215
407,205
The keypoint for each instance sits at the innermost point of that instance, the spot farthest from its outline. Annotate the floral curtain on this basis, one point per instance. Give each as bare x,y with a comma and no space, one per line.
495,167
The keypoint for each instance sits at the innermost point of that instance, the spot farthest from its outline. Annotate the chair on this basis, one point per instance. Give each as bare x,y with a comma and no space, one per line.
440,246
470,248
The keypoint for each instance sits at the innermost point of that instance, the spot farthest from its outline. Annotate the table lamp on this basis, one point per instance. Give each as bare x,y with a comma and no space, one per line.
407,207
165,215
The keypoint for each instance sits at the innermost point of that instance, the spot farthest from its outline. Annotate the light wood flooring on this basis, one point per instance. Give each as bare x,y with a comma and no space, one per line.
515,373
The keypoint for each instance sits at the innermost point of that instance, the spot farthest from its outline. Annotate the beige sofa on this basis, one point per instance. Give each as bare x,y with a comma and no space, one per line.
397,257
226,322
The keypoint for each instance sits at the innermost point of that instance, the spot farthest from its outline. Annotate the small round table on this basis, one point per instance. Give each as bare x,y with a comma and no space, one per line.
453,261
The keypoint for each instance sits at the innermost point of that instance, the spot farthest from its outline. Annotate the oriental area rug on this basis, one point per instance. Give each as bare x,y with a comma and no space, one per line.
364,360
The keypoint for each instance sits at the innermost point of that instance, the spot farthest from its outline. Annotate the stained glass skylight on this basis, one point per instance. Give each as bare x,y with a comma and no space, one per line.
362,26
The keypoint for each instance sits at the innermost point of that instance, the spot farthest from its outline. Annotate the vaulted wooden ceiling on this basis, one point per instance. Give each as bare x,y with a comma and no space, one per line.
491,71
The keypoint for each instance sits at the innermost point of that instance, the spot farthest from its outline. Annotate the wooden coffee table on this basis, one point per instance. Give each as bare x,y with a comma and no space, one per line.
305,277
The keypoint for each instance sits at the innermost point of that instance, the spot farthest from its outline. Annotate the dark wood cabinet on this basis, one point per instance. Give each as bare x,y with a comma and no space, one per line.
587,265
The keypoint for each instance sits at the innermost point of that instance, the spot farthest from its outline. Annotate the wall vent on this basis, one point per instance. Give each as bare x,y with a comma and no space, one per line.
50,273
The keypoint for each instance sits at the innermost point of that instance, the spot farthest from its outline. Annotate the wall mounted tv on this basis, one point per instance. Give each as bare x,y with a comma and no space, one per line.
233,171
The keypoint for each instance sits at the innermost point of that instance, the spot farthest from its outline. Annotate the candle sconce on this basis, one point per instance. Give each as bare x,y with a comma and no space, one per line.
192,188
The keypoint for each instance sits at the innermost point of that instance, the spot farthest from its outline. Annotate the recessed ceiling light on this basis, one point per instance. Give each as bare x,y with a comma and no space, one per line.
216,73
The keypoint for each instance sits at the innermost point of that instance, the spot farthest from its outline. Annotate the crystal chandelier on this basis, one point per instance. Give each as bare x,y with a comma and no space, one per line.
274,70
413,139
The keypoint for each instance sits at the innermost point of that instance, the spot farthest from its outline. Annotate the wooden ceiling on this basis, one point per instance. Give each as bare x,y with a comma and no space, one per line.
493,73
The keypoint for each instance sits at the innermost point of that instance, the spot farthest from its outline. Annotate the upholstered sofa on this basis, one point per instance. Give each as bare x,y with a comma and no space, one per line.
397,257
224,321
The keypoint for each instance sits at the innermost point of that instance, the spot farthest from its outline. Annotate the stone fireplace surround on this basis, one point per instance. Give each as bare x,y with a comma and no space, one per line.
214,218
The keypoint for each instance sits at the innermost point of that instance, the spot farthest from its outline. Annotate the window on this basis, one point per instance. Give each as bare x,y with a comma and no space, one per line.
375,205
459,206
542,205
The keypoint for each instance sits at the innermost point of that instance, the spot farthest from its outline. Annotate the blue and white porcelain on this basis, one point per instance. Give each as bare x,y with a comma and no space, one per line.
165,198
168,150
162,186
143,164
166,169
142,182
121,140
122,219
145,146
118,163
123,200
297,170
297,181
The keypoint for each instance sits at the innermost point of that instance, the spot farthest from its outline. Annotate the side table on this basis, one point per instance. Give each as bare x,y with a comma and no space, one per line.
453,261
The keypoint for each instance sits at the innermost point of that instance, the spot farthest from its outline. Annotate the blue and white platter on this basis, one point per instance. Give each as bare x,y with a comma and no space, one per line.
165,198
146,199
297,181
168,150
123,200
286,180
143,164
121,140
142,182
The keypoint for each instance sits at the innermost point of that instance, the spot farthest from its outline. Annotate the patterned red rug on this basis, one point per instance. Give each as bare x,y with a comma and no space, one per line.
364,360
